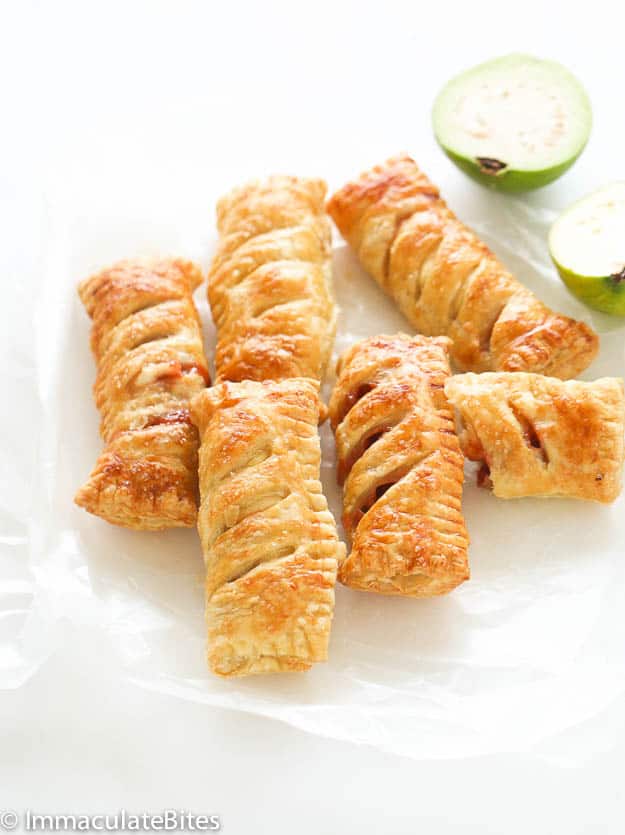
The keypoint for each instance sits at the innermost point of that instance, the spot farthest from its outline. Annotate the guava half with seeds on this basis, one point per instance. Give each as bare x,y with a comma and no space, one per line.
515,123
587,245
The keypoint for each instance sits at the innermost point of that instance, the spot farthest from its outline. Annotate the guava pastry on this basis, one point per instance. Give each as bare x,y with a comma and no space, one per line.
147,343
540,436
447,282
269,541
401,465
269,285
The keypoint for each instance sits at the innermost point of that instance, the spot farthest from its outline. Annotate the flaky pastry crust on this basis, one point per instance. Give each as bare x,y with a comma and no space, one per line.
269,541
401,465
147,344
447,282
540,436
269,284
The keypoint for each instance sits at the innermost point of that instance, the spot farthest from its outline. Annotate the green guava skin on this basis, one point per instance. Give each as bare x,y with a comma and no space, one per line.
509,180
599,292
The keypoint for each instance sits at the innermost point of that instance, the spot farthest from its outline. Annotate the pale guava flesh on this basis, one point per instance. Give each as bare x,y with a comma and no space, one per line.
587,245
514,123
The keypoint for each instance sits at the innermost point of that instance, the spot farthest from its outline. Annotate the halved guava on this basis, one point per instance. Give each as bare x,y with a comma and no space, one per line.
587,245
515,123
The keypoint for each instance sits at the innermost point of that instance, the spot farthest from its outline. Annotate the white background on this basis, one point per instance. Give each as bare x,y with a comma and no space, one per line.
95,91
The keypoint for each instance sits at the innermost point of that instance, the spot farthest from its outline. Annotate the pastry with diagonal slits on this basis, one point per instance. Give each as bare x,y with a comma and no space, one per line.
447,282
401,465
540,436
270,543
269,284
147,343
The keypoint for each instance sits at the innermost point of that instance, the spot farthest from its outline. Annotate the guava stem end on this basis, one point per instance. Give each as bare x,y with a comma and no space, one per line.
491,166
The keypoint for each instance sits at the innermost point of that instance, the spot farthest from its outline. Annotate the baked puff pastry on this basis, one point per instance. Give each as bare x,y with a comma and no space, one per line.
540,436
269,285
270,543
401,465
447,282
147,343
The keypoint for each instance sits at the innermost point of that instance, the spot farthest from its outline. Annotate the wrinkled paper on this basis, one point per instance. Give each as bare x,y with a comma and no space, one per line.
532,645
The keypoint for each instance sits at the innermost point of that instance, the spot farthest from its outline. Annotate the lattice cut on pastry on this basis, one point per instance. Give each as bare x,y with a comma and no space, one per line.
147,343
540,436
401,465
269,541
269,286
447,282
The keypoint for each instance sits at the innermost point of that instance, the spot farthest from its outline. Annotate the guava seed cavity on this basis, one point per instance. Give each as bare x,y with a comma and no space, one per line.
490,166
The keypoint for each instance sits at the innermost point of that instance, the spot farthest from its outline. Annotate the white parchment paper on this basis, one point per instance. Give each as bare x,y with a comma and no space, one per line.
532,645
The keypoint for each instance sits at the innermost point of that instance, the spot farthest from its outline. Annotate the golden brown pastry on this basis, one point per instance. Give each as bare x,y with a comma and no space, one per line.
402,468
447,282
269,285
540,436
147,343
269,541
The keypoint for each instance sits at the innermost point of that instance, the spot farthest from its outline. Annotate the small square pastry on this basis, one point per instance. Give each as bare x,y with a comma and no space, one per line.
540,436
